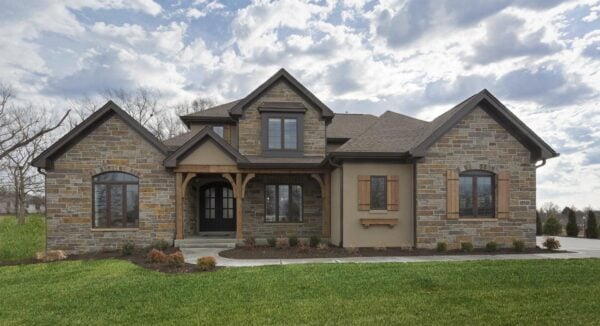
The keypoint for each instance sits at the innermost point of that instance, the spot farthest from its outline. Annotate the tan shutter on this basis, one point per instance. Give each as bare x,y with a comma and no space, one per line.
392,193
503,195
452,194
364,192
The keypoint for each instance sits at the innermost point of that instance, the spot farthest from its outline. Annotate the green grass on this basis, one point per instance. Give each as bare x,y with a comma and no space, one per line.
541,292
21,241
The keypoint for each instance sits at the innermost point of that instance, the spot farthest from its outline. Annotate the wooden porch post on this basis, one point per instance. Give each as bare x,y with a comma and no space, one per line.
238,206
179,205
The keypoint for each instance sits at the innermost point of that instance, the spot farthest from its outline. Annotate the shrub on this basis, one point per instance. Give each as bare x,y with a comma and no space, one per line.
441,246
206,263
323,246
518,245
591,230
552,226
551,244
352,250
303,247
491,246
293,241
466,246
572,228
271,241
314,241
156,256
282,242
161,245
176,259
128,248
538,223
250,243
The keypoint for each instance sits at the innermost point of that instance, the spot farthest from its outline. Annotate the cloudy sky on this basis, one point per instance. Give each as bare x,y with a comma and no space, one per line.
539,57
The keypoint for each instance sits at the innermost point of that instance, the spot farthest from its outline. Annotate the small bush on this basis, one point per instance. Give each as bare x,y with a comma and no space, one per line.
314,241
552,226
441,246
303,247
293,241
250,243
156,256
551,244
271,241
491,246
323,246
572,228
466,246
161,245
176,259
518,245
128,248
206,263
282,242
352,250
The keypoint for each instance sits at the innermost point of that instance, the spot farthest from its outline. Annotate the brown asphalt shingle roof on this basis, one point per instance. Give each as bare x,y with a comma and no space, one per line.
347,126
221,111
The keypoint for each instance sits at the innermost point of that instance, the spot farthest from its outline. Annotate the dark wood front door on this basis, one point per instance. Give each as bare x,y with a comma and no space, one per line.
217,207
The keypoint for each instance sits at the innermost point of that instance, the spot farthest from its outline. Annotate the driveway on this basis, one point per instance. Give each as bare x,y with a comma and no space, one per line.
581,246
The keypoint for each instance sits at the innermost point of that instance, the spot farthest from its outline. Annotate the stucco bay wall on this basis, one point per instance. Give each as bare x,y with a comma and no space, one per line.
335,197
355,235
112,146
477,142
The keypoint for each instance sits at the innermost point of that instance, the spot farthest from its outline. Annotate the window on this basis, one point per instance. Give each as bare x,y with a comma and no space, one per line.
283,203
282,133
218,130
476,189
115,200
378,192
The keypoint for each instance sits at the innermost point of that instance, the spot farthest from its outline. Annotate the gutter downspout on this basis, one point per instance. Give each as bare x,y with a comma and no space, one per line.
341,167
543,163
45,209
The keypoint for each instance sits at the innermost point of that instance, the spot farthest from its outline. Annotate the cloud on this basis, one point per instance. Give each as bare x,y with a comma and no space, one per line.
131,33
145,6
505,39
592,50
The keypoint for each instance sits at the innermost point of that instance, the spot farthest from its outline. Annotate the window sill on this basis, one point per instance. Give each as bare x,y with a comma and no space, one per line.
114,229
284,223
367,222
477,219
378,211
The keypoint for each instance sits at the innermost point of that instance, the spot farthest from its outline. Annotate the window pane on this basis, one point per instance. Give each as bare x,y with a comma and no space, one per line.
100,205
484,196
466,196
270,203
116,206
274,133
132,205
218,130
115,177
284,201
290,133
295,212
378,195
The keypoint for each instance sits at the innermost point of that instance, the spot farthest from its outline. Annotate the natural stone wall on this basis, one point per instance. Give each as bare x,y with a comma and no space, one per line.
254,208
477,142
112,146
249,126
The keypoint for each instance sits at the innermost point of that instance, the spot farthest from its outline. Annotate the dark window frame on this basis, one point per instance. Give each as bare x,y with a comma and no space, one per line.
222,128
299,150
277,218
475,175
109,185
385,203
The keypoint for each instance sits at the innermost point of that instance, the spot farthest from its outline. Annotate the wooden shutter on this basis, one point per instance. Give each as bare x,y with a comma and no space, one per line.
452,194
503,196
364,192
392,193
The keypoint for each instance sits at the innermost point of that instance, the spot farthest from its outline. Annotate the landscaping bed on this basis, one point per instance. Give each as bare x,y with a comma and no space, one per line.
335,252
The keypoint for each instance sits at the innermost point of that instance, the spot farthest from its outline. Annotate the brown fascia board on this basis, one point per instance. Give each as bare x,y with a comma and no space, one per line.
44,160
370,155
205,134
238,109
502,115
191,119
245,165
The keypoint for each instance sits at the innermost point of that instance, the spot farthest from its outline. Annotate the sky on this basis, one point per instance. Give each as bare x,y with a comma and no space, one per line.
541,58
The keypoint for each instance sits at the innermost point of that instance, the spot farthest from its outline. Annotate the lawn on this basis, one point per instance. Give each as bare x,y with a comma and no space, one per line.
479,292
21,241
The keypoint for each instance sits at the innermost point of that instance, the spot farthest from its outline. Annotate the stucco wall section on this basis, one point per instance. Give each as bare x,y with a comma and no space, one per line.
335,206
477,142
112,146
208,153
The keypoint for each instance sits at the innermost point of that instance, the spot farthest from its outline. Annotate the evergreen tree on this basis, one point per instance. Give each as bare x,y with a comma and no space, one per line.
538,223
572,228
552,226
591,230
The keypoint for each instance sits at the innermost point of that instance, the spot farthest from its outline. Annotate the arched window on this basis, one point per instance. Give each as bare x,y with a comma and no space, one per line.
477,195
115,200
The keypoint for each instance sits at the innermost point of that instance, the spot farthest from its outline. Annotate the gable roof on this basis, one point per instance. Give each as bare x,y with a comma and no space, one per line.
219,113
203,135
44,160
345,126
282,74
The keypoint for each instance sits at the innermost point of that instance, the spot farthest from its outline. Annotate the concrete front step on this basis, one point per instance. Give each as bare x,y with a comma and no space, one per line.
206,243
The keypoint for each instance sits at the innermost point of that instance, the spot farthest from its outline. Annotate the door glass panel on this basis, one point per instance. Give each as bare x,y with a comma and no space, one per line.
227,203
289,129
209,203
466,196
116,206
132,205
284,201
484,196
100,200
270,203
274,134
295,211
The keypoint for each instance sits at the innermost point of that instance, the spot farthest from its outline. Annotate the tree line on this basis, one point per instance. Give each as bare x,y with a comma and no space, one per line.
550,221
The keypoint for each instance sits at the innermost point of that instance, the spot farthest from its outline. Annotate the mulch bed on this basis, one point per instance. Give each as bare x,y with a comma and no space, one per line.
139,258
334,252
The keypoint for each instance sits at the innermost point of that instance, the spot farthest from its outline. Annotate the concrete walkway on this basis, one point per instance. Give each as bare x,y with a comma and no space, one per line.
581,248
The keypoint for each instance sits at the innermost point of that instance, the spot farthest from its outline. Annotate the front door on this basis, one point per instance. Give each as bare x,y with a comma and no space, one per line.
217,207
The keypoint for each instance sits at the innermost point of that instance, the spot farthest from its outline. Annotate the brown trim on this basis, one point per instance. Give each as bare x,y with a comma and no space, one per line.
390,222
283,107
289,185
298,151
385,204
209,120
475,175
109,185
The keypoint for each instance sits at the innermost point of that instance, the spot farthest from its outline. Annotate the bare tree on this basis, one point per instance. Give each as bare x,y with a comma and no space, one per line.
18,129
197,105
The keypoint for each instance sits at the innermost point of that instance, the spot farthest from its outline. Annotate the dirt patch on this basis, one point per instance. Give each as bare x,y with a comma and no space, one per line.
334,252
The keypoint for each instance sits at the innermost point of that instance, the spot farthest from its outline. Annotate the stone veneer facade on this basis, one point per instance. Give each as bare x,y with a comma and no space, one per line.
112,146
477,142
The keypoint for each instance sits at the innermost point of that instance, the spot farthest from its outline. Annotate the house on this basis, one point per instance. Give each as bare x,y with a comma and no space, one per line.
280,162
